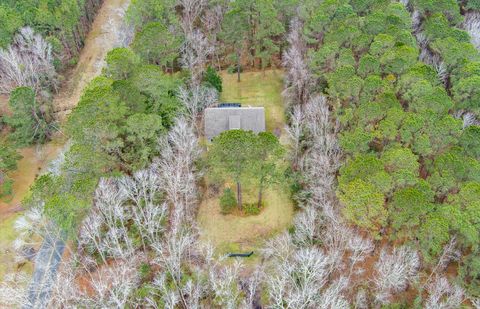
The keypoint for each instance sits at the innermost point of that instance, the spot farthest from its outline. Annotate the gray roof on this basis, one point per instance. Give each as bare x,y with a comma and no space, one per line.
219,119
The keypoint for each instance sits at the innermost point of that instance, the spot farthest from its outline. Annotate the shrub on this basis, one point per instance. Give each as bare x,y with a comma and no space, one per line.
227,201
145,270
251,209
212,79
27,120
6,187
233,69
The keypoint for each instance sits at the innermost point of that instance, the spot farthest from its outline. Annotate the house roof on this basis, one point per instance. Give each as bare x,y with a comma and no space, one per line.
219,119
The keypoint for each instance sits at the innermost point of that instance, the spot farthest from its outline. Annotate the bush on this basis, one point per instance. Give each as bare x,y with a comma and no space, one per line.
6,187
228,201
212,79
145,270
27,120
233,69
251,209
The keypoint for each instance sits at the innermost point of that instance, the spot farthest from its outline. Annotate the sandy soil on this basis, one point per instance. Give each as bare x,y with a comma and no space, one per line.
103,36
34,161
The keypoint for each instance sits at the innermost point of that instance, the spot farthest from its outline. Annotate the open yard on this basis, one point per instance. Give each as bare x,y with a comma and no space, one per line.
230,233
255,89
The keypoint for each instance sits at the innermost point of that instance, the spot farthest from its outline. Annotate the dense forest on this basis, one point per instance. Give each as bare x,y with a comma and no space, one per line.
64,24
382,101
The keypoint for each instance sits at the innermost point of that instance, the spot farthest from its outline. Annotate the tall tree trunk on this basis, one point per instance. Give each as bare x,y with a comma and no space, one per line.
260,195
238,67
239,195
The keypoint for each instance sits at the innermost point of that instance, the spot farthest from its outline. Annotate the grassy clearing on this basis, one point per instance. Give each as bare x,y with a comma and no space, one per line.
233,233
255,89
230,233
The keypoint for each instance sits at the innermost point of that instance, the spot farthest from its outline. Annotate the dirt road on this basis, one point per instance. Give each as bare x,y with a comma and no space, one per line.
106,33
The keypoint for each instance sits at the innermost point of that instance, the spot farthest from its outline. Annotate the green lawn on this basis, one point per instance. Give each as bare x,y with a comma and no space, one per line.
230,233
255,89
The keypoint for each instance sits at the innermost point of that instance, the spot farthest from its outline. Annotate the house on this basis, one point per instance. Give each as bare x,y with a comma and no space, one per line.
229,116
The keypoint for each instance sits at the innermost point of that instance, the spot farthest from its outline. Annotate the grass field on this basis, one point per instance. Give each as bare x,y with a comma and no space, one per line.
230,233
255,89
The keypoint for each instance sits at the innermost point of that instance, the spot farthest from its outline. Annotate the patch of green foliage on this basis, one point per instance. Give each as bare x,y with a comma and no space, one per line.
251,209
212,79
28,119
262,22
246,157
120,117
411,166
228,201
8,163
62,23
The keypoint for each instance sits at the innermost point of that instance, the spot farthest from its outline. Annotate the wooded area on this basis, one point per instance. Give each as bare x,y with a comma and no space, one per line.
383,153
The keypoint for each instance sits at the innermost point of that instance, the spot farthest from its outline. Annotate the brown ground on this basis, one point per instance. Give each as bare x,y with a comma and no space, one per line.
34,161
101,39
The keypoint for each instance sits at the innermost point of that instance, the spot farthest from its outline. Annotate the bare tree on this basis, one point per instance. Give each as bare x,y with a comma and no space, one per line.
296,282
359,248
143,190
322,157
308,225
191,12
298,78
200,23
336,237
279,248
176,169
13,290
195,99
295,133
253,287
224,286
332,297
102,286
66,291
110,216
471,24
469,118
212,22
113,285
195,53
450,253
394,271
443,295
28,61
361,300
